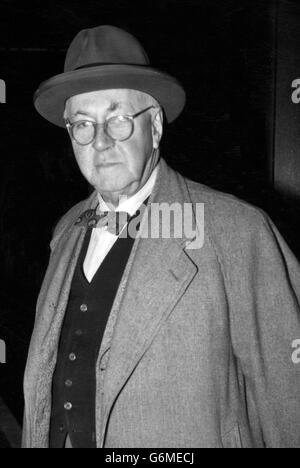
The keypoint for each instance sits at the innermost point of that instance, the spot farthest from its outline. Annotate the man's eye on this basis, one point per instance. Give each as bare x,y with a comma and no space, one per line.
83,124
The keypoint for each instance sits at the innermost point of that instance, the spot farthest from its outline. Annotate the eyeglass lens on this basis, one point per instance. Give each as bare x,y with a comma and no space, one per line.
118,128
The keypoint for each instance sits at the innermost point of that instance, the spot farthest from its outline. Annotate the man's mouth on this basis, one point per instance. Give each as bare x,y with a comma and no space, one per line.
106,165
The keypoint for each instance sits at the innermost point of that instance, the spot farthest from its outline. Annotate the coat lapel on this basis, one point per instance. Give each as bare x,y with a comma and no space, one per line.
159,274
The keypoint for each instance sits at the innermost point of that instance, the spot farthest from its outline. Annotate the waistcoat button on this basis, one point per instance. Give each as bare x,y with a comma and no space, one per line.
68,406
83,308
72,357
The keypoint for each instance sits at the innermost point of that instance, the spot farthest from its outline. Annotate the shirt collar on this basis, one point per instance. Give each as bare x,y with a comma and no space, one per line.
131,205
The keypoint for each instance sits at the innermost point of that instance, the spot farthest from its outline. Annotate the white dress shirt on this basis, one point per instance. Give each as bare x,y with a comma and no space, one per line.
102,240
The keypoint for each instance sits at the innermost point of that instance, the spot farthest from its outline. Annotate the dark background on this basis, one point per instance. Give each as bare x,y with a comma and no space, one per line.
223,52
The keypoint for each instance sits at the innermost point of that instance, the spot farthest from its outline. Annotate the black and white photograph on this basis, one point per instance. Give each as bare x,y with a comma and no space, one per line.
150,226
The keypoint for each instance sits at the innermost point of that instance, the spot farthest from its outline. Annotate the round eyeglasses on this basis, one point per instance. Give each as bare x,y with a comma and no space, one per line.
118,128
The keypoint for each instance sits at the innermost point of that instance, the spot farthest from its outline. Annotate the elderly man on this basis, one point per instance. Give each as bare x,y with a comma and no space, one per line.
155,341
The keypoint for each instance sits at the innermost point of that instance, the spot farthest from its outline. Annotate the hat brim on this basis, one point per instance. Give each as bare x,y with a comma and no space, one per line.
50,98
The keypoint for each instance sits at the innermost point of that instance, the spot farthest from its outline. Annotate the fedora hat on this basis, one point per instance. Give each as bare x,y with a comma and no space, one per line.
101,58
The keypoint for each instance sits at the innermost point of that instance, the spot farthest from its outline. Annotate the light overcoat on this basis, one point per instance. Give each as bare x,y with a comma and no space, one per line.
200,349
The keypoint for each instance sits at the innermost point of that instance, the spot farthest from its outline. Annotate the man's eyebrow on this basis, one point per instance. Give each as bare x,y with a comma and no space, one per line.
81,113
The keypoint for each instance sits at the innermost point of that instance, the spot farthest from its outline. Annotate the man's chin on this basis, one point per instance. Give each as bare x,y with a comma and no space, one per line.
108,189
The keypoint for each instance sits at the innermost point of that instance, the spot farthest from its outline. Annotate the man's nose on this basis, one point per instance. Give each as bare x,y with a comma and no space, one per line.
102,141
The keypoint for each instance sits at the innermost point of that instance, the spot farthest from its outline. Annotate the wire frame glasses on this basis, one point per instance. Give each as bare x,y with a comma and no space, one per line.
118,128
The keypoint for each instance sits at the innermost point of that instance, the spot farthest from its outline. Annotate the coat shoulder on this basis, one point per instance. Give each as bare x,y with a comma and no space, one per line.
226,211
69,218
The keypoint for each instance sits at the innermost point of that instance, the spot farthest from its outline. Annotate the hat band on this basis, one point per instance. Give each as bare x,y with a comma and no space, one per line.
98,64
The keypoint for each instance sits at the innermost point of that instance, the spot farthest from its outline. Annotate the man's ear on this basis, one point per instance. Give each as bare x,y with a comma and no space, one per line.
65,111
157,127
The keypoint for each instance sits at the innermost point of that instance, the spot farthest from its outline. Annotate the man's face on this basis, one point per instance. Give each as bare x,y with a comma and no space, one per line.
116,168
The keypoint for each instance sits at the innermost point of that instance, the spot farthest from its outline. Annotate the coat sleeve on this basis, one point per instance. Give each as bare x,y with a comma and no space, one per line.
263,279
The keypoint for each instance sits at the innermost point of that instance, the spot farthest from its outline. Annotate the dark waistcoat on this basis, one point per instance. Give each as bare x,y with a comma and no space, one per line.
74,380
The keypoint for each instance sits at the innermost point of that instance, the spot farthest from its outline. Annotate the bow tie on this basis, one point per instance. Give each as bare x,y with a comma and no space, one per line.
114,220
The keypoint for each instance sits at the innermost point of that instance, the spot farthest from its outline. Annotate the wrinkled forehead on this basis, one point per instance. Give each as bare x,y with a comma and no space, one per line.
106,101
